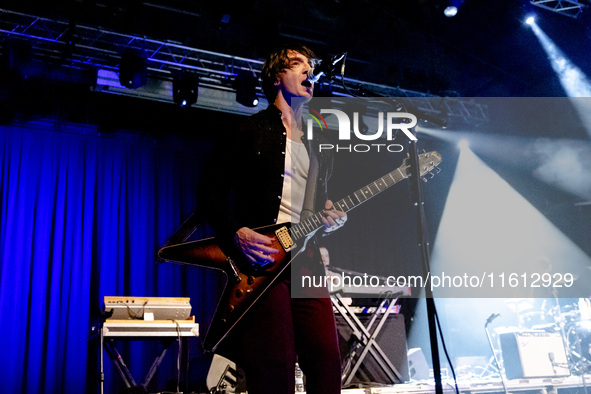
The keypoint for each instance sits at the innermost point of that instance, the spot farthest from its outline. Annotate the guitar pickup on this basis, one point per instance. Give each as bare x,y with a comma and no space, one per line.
284,239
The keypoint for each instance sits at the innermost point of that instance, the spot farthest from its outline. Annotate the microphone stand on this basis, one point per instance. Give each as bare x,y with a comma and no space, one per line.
415,179
492,348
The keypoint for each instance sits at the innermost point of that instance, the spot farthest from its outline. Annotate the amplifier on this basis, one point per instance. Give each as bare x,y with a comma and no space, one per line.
533,354
147,308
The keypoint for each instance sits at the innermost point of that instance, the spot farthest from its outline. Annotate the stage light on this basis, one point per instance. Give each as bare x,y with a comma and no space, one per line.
450,11
133,68
530,20
452,7
246,88
185,89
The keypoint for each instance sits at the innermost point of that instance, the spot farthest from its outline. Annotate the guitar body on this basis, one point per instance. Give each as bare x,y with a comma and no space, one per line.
246,282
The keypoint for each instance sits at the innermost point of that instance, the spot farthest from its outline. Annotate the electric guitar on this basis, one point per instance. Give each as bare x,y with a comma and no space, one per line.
246,281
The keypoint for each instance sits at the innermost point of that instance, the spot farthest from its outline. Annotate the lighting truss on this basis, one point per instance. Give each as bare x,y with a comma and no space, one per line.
571,8
100,47
87,47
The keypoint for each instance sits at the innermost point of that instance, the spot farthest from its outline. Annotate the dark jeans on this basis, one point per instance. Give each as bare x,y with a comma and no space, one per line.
280,330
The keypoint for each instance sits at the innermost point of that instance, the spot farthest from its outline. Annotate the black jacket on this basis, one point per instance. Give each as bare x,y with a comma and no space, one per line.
245,185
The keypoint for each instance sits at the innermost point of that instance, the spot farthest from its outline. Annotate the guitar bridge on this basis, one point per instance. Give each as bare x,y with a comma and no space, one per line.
233,269
284,239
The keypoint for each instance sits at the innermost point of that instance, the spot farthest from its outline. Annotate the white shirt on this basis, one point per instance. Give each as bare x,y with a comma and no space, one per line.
297,164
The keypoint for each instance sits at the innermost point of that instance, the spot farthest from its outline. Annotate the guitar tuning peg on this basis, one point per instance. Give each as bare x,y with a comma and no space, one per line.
432,175
424,151
423,179
437,169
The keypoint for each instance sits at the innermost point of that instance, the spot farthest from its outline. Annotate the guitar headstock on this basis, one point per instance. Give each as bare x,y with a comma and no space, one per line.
428,161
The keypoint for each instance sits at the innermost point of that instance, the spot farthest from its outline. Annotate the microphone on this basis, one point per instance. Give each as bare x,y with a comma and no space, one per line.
326,67
491,318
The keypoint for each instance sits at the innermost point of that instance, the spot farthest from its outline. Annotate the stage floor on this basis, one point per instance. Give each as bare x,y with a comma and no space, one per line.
569,384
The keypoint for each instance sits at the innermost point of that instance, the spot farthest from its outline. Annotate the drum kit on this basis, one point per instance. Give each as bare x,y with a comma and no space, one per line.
569,317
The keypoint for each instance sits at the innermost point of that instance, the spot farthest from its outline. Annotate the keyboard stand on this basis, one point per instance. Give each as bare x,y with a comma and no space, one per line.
365,339
166,331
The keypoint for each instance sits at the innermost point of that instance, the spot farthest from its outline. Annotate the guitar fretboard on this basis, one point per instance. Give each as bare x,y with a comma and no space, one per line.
313,223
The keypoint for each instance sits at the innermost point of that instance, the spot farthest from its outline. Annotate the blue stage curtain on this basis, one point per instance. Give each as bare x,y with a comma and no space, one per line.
82,216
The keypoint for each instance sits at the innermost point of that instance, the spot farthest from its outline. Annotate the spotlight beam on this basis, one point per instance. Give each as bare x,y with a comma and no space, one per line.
488,227
574,82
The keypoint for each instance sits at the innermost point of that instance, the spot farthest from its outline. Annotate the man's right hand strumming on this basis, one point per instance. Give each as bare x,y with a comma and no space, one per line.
256,247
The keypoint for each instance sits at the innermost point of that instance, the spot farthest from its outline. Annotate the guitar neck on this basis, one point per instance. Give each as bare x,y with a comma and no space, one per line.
313,223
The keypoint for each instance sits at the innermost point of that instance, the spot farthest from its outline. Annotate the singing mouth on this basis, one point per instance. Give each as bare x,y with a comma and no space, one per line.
307,84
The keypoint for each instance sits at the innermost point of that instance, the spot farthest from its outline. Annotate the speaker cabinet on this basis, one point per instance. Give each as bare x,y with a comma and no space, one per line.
533,354
391,339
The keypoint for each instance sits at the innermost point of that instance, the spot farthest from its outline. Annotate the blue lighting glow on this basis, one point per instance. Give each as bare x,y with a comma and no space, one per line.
82,217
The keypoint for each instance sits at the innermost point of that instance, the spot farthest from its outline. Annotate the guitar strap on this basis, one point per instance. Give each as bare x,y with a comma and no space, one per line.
185,230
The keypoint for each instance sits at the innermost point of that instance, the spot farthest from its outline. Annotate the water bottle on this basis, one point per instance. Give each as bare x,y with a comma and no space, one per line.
299,379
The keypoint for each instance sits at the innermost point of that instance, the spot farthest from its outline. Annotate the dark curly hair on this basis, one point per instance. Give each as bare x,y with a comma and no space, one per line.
276,63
